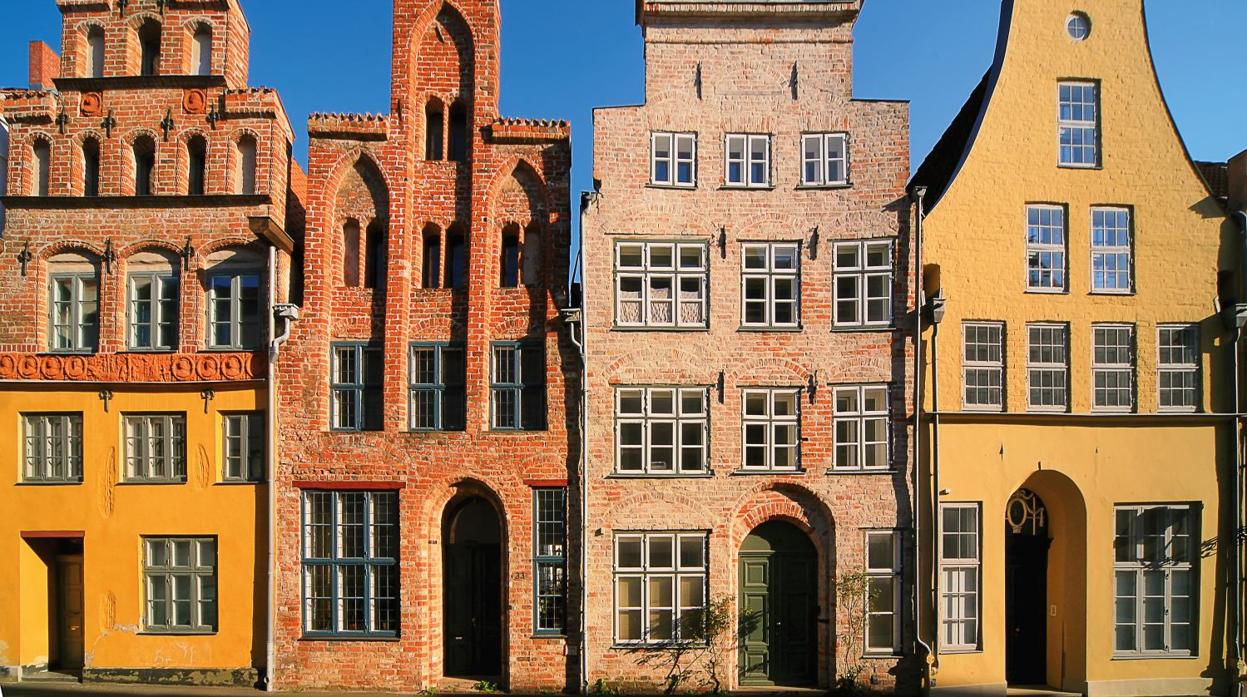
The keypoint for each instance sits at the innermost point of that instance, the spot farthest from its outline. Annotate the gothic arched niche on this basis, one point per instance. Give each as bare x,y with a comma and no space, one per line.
363,214
444,60
521,198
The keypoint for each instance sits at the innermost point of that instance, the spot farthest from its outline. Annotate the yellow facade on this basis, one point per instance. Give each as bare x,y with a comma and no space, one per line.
112,517
1081,462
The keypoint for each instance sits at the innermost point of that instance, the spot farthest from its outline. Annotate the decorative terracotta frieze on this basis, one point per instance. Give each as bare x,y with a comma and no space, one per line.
134,368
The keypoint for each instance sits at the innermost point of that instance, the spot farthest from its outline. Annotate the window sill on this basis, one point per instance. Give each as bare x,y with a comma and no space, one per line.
337,638
768,473
148,352
548,637
1066,165
1153,657
823,187
657,646
39,484
891,471
177,632
1047,410
229,349
1111,293
882,655
972,409
154,482
685,330
1047,291
1114,412
960,651
516,431
746,187
672,187
768,330
84,352
864,329
653,475
239,483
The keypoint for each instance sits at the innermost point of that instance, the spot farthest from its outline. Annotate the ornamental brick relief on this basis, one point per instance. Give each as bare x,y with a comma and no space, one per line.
138,368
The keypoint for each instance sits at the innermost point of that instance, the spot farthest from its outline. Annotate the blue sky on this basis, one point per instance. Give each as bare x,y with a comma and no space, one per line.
561,58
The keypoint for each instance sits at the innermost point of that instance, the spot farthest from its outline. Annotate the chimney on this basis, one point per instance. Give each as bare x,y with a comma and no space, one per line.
45,66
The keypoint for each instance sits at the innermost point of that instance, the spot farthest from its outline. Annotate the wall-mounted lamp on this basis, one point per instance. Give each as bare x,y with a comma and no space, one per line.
24,257
722,242
721,385
62,119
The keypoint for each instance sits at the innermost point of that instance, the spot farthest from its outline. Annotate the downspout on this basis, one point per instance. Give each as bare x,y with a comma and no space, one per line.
918,195
583,344
1240,525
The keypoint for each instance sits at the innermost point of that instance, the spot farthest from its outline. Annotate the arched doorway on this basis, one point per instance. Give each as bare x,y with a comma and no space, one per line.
472,590
1026,589
779,607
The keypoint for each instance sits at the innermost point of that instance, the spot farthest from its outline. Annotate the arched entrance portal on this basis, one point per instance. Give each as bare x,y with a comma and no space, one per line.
779,607
472,574
1026,589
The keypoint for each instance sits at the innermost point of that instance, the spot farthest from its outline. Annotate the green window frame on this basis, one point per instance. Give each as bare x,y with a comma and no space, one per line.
550,560
155,448
517,386
355,387
244,447
438,380
52,448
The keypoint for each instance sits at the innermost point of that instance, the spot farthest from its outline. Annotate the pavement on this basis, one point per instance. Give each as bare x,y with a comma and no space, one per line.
68,689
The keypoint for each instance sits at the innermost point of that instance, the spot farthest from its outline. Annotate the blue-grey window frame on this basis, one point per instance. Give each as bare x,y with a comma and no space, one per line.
438,389
358,388
540,561
236,323
519,388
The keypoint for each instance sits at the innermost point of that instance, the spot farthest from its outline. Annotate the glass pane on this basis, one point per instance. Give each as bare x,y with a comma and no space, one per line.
692,552
629,551
629,591
661,552
880,551
661,592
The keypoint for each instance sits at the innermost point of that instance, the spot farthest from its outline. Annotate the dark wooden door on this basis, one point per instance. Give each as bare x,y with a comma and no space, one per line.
69,612
1026,601
779,605
797,625
473,592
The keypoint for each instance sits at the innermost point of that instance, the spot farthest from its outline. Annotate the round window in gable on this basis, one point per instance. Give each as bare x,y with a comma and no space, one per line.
1079,26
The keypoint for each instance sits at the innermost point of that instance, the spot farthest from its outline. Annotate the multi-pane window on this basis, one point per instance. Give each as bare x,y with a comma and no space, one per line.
1155,586
234,311
438,380
1178,367
355,387
350,563
660,587
825,159
771,429
1045,248
153,311
550,560
1110,251
983,365
74,310
1047,366
244,447
748,160
673,159
883,592
959,575
517,386
770,285
661,284
1079,107
863,282
156,448
1112,367
53,448
661,430
862,428
180,576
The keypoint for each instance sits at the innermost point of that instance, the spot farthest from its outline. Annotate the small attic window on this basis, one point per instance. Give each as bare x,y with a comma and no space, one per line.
1079,26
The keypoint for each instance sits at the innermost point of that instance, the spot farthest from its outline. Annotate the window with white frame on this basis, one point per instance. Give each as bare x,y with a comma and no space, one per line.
180,578
1156,600
517,386
355,387
748,161
983,365
661,430
1178,367
883,592
861,422
153,308
771,426
673,159
234,302
960,564
550,559
53,448
863,283
1111,251
244,447
1112,367
770,284
438,378
1079,114
350,563
155,448
824,159
661,284
1045,248
660,587
73,311
1047,367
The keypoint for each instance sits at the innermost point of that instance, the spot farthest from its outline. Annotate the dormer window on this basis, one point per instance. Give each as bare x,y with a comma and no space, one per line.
149,48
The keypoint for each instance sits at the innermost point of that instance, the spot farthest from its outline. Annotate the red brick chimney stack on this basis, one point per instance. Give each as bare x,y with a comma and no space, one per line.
45,66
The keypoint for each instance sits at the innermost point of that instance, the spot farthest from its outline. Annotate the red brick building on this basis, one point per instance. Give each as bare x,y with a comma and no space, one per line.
748,297
426,395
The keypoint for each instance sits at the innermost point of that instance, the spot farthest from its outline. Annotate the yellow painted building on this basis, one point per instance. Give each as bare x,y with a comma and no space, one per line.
1078,422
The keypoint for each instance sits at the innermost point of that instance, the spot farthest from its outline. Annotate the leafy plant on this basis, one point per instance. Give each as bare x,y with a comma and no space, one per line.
486,686
853,596
705,640
601,687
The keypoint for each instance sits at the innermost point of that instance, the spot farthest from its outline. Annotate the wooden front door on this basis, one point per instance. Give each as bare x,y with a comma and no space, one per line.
1026,591
473,592
779,607
69,612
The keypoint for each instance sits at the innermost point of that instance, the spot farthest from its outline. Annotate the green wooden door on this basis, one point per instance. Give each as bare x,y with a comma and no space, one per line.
779,607
755,605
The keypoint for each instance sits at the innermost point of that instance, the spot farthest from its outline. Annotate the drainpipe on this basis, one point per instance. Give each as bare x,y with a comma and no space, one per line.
918,195
1239,588
585,200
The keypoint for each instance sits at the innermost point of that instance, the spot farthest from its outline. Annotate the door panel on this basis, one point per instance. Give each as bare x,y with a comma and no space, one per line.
798,635
779,599
755,653
69,611
1026,601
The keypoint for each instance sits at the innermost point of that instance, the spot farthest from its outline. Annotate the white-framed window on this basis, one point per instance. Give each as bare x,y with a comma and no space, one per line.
673,159
155,448
1112,367
1156,590
73,312
863,283
960,564
983,365
244,447
153,311
660,587
883,592
53,448
824,159
661,430
771,428
748,160
1045,249
181,585
1178,367
1078,25
1079,124
770,284
661,284
1111,266
1047,367
862,432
